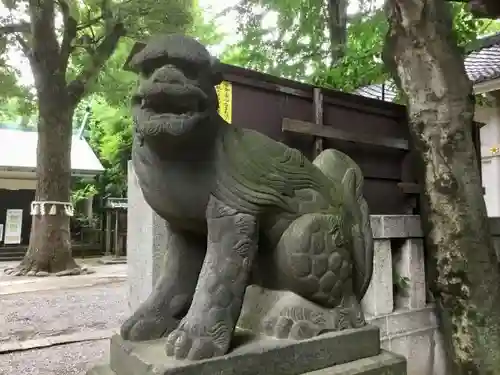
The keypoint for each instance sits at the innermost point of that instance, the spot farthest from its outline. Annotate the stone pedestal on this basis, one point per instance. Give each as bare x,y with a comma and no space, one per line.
146,244
354,352
399,252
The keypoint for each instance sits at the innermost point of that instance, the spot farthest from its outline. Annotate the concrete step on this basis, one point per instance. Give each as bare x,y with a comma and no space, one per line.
8,256
385,363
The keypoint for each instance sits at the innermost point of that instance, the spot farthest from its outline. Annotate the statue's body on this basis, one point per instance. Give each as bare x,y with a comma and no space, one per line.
241,209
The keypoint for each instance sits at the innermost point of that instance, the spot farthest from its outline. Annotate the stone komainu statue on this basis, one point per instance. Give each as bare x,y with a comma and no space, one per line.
241,209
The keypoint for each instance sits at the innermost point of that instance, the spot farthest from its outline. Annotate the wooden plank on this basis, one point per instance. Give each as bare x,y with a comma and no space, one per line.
304,127
409,187
318,118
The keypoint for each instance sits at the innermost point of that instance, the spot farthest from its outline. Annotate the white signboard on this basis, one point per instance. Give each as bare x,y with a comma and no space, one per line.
1,233
13,225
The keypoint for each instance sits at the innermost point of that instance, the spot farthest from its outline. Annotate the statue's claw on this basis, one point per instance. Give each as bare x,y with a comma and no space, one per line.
184,343
147,325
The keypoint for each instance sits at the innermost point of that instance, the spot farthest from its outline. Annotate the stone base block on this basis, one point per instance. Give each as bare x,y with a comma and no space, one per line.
383,364
112,260
101,370
357,350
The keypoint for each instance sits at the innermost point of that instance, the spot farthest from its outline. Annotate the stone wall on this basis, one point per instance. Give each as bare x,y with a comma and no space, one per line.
407,322
408,325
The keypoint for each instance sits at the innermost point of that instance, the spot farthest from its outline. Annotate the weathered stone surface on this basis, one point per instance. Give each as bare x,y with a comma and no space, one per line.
251,357
379,299
284,314
396,226
404,322
383,364
101,370
409,263
146,244
410,333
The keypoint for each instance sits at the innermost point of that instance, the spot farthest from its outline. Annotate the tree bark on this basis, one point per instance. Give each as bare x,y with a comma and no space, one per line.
421,51
337,26
50,241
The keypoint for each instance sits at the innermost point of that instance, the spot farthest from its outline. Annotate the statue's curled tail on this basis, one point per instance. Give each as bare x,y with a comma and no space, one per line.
341,168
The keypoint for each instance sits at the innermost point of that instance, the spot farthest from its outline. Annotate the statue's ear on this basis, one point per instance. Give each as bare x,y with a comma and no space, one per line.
215,68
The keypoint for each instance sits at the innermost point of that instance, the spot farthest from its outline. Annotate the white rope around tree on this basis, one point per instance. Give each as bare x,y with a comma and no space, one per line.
39,208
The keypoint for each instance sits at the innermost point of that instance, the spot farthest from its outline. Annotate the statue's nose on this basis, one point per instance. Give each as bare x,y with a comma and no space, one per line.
169,74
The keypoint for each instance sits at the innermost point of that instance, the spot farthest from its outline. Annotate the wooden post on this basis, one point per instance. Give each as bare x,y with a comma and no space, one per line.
318,118
108,232
116,234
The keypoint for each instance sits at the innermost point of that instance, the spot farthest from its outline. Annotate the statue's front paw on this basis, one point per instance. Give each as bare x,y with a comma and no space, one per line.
196,342
147,325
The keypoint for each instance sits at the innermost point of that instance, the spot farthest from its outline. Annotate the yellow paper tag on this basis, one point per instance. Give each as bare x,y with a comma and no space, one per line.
225,96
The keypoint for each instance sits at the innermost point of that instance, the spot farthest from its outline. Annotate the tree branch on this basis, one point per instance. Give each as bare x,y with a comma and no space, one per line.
69,34
77,88
17,29
22,27
337,26
89,23
24,46
45,46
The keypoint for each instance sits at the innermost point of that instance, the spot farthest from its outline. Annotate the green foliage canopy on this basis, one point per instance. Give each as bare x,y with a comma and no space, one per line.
298,46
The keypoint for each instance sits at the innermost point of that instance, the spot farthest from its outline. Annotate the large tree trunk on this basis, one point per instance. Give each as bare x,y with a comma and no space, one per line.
422,53
50,242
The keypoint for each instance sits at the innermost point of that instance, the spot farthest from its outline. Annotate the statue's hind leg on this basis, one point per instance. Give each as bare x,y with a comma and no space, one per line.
169,301
313,260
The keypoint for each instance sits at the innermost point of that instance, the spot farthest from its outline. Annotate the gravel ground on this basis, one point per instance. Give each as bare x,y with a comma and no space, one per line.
48,313
71,359
34,315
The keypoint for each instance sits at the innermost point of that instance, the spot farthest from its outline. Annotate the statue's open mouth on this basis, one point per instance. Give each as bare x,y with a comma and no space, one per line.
165,104
169,108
